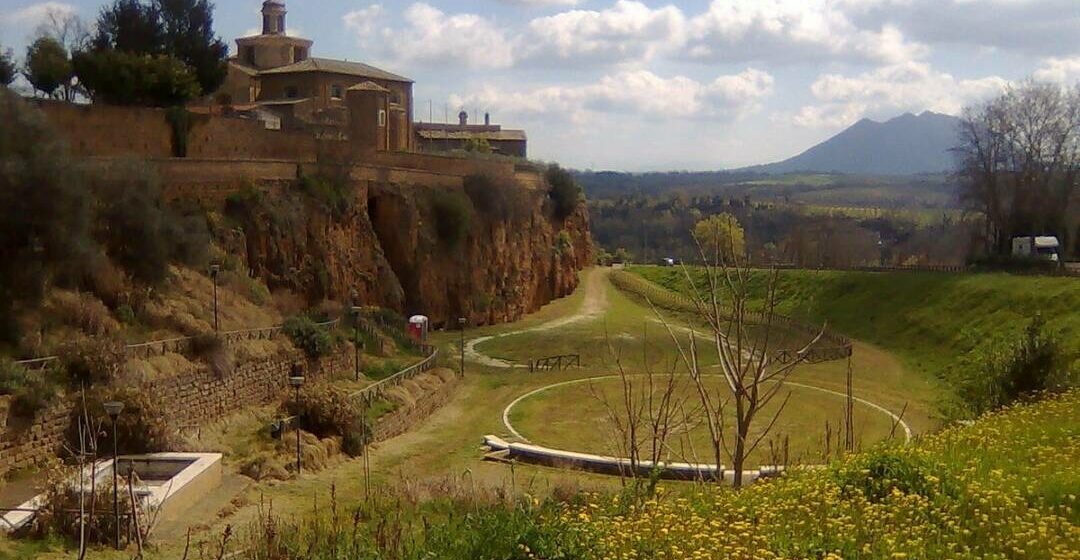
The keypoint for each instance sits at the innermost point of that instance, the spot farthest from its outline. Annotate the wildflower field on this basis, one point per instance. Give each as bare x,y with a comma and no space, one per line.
1007,486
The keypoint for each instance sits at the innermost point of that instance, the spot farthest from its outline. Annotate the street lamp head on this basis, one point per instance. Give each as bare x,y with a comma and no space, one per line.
296,380
357,310
215,269
461,321
114,408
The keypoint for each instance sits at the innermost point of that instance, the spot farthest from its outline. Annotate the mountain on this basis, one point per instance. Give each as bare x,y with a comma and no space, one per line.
905,145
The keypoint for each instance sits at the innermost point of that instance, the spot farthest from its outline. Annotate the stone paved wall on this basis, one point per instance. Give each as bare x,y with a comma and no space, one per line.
189,399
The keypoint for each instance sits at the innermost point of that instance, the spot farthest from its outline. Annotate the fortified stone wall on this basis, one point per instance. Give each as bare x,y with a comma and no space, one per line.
187,399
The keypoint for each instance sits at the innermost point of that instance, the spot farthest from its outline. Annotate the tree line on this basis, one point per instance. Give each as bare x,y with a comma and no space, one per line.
157,53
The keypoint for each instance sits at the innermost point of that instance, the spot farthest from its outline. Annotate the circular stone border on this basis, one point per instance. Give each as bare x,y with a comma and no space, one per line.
509,426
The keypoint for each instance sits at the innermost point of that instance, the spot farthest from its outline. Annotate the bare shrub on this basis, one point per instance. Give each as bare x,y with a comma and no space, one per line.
82,311
211,349
140,428
93,361
60,512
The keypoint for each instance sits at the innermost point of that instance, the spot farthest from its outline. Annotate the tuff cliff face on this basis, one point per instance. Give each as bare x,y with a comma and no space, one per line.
383,249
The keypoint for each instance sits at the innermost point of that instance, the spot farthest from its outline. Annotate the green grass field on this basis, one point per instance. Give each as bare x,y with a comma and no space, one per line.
928,319
574,417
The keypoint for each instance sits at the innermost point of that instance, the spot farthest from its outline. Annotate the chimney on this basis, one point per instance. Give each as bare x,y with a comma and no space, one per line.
487,119
463,118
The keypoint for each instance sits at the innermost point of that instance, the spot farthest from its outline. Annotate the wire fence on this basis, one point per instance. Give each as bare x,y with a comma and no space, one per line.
179,345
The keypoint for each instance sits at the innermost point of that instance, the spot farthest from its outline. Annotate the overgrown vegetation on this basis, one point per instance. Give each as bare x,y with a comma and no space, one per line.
30,391
453,215
314,339
565,193
498,198
94,227
954,326
140,428
992,490
325,410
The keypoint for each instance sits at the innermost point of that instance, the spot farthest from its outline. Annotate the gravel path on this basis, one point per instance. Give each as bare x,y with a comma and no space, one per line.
594,306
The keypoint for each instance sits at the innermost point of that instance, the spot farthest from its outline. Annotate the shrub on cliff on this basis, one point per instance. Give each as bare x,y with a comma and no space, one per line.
564,191
44,210
309,336
138,230
499,199
453,214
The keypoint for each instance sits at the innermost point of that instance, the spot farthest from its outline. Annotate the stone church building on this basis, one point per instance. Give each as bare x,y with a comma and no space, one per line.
274,78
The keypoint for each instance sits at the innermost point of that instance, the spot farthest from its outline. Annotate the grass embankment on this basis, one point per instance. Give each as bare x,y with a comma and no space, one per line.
928,319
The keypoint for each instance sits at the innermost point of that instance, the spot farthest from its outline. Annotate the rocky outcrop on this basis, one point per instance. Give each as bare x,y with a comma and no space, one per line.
382,248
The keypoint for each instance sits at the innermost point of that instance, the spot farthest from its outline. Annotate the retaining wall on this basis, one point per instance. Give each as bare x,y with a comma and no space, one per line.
189,398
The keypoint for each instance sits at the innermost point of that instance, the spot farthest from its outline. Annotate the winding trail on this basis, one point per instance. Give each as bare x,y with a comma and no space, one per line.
593,307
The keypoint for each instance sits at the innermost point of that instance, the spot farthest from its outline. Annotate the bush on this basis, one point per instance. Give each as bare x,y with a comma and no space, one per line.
308,336
93,361
499,199
139,232
326,411
564,191
31,391
1005,369
877,474
140,428
38,180
61,500
452,214
211,349
335,196
564,245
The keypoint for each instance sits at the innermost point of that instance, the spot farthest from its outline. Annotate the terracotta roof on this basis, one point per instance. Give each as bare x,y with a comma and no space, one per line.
338,67
243,67
502,135
368,86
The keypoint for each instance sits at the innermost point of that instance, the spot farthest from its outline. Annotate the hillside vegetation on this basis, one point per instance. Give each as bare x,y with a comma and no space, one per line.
931,320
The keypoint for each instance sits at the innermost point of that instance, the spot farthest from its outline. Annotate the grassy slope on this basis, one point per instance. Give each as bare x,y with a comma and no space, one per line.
929,319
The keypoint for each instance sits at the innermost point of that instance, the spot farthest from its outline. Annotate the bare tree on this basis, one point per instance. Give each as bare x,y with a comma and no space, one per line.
1019,161
751,381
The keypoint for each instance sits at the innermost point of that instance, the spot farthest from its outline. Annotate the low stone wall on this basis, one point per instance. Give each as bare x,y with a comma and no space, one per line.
403,419
188,399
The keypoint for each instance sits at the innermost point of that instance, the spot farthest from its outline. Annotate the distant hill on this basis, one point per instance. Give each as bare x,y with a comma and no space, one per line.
905,145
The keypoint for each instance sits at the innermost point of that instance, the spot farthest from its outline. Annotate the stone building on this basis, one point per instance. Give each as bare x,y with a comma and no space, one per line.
274,73
434,137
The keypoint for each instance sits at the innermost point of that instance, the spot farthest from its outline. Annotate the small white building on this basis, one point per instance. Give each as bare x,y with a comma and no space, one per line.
1044,247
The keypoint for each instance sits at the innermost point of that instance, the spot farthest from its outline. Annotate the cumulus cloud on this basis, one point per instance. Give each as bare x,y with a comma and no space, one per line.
1036,26
910,86
33,15
432,37
627,31
1060,70
792,31
633,92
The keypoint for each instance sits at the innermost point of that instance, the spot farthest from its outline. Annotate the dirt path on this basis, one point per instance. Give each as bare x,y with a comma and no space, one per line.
593,307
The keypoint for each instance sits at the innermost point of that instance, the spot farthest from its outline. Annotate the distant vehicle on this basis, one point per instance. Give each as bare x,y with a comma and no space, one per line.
1045,247
667,262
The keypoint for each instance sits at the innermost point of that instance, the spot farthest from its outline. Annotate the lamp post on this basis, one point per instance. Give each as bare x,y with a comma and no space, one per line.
356,339
296,380
113,409
461,323
215,270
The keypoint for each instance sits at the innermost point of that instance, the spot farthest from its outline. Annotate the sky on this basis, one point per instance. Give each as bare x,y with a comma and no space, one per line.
650,85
